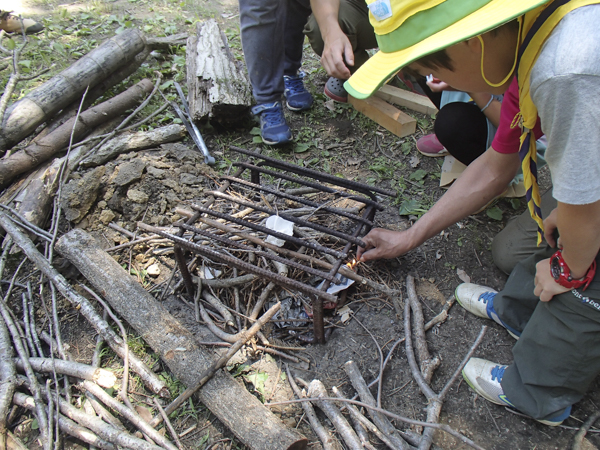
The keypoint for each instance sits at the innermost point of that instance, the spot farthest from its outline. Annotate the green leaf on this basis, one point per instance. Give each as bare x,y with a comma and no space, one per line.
166,84
406,148
515,203
58,47
35,425
258,380
418,175
10,44
301,148
255,131
257,140
239,370
25,63
494,213
411,206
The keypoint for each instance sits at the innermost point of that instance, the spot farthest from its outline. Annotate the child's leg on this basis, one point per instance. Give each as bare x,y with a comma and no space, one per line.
558,353
462,129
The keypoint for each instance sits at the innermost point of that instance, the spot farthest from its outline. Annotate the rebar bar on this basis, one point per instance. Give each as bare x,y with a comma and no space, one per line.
310,184
285,237
295,198
267,255
349,184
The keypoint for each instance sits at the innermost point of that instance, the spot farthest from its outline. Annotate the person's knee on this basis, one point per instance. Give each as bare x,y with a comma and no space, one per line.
503,254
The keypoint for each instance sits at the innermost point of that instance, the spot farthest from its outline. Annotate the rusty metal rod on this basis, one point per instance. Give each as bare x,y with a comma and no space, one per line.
268,255
243,265
285,237
331,209
304,223
349,184
312,184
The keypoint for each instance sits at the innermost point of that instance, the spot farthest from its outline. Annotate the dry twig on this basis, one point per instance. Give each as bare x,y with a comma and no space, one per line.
329,443
316,389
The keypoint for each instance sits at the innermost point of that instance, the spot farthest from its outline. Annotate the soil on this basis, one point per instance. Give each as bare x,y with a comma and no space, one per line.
149,185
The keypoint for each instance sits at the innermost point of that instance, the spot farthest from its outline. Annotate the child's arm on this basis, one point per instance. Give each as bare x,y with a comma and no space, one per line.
484,179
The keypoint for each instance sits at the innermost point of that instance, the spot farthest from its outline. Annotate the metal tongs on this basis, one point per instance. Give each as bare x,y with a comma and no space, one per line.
191,126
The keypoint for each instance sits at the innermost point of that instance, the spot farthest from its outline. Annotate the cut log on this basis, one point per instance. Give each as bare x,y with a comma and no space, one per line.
42,103
218,88
241,412
129,142
407,99
386,115
40,151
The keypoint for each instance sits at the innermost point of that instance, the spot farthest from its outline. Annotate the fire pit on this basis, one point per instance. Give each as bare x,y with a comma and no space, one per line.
288,225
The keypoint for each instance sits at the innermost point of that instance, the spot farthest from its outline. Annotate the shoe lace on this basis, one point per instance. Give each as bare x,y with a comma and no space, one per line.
486,297
273,116
498,373
295,84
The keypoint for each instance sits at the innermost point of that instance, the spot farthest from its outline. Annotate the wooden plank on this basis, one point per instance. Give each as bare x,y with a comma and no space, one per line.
386,115
407,99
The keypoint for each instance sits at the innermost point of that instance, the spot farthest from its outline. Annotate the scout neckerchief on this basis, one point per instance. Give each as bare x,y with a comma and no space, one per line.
540,23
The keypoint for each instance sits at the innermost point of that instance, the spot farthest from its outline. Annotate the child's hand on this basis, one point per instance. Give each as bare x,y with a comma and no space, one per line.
437,85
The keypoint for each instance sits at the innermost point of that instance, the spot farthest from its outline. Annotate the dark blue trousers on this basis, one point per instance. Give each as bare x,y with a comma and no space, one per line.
272,41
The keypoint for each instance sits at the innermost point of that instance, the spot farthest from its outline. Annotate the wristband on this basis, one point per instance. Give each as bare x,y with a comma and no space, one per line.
488,103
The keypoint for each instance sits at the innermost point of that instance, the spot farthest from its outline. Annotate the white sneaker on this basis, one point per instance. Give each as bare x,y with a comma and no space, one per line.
485,378
479,300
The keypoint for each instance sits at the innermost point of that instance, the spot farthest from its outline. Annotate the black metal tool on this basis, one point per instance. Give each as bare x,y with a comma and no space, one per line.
191,126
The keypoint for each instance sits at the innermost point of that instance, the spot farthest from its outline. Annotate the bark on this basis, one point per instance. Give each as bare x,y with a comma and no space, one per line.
85,307
42,103
40,151
103,377
217,85
240,411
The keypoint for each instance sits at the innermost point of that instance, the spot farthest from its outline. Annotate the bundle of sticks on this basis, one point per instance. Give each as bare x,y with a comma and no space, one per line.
42,377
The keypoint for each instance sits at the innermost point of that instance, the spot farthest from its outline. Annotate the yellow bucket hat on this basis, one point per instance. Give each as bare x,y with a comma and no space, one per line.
407,30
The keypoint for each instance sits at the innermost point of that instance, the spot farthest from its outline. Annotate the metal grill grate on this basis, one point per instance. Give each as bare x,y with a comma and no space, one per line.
329,214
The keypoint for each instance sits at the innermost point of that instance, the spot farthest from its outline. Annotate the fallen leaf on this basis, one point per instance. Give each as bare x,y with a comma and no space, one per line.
330,105
463,275
144,413
414,161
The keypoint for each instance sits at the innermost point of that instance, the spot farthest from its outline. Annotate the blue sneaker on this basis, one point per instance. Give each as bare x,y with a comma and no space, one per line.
274,130
485,378
298,98
479,300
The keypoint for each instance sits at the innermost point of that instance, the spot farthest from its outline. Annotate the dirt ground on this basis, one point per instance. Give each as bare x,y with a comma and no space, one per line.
339,141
